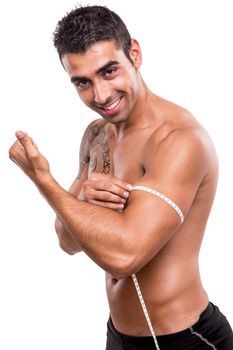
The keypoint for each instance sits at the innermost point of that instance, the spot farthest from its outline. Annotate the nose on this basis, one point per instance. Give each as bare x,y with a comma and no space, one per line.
101,93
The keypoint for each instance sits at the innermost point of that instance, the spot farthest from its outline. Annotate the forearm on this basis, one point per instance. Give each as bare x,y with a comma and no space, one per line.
103,240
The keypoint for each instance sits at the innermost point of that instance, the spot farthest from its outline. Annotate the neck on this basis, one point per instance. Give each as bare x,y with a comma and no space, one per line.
142,115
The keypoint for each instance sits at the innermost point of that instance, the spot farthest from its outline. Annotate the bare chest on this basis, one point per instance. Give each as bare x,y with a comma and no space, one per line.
128,162
123,159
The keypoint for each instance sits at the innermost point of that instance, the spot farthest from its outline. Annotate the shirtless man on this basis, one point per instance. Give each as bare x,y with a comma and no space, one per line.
113,212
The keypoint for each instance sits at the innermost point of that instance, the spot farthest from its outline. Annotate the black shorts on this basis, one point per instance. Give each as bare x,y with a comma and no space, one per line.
211,332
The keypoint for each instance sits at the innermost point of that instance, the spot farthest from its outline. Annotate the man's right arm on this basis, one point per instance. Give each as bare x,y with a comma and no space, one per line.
100,189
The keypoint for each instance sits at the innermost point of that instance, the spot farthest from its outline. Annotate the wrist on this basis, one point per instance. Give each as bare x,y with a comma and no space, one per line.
44,180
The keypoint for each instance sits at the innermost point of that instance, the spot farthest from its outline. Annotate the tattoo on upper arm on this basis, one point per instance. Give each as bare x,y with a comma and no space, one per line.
84,154
82,163
94,149
100,159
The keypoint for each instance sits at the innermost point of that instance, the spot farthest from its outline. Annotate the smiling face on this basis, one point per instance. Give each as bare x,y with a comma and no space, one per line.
105,79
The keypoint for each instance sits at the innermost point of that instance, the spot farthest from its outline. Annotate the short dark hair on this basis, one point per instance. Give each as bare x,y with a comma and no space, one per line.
84,26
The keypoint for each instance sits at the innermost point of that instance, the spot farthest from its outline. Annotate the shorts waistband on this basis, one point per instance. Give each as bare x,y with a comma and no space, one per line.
172,336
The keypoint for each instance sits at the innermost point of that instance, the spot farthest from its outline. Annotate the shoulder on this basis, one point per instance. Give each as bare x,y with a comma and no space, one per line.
94,129
179,131
191,139
181,142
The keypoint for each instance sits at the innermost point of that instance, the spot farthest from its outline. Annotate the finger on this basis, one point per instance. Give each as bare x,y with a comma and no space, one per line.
108,197
34,144
15,161
122,184
112,180
104,190
27,143
108,205
112,188
101,194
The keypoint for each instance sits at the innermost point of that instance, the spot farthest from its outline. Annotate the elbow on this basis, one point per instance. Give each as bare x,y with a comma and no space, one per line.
58,227
66,249
124,268
127,265
68,246
66,243
121,273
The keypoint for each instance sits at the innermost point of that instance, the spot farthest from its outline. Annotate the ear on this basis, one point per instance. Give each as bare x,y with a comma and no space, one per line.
135,53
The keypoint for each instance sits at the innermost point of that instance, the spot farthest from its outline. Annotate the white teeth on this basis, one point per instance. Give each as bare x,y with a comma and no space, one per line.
113,105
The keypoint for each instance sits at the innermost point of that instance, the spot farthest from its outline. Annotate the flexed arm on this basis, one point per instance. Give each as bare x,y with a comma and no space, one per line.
123,242
99,189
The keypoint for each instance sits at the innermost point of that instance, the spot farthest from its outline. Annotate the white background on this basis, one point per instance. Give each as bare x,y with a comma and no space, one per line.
49,300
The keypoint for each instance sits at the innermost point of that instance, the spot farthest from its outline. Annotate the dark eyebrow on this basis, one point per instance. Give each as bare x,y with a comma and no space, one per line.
106,66
76,78
99,71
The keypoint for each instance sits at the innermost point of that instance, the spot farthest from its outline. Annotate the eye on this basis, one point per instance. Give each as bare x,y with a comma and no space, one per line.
81,84
110,72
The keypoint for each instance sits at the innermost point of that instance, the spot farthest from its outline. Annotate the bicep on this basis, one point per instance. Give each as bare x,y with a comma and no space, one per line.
150,219
150,222
177,169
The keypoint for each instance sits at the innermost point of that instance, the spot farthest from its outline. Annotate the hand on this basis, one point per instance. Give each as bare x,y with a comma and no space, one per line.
106,191
26,155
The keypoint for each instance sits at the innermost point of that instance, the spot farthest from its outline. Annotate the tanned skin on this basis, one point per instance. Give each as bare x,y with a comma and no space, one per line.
141,139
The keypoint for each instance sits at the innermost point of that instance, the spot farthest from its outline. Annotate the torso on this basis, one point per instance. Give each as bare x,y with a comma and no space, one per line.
170,283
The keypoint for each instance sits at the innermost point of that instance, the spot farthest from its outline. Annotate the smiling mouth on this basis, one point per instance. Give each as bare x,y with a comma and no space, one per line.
112,105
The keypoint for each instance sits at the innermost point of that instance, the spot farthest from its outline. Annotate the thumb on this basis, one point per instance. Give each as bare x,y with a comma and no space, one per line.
27,143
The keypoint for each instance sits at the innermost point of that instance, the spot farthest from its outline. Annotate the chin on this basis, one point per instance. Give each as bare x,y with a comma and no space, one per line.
116,120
